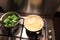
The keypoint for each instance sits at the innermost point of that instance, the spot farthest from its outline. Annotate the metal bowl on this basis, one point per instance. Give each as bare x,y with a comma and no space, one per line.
4,16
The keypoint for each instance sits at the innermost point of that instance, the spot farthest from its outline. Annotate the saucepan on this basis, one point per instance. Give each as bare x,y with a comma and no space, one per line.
9,21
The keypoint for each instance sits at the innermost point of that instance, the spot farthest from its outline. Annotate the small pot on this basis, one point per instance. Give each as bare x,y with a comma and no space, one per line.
10,29
34,34
33,23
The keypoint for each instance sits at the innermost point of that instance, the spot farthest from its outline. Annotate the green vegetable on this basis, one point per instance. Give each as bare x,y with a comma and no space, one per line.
11,21
6,20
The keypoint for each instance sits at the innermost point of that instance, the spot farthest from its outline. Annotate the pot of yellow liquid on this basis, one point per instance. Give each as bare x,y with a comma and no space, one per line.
33,25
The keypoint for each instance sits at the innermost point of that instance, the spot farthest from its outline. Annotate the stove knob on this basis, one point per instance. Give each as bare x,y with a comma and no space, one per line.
37,32
50,31
50,37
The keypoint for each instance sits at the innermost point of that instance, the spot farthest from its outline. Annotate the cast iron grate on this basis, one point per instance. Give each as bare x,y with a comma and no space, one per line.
18,35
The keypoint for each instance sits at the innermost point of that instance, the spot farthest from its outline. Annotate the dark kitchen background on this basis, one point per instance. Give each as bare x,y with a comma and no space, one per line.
51,9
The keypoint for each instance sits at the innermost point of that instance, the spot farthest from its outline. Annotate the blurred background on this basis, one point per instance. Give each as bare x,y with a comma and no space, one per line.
51,9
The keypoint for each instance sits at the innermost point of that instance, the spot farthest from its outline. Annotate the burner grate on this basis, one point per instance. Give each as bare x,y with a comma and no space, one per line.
19,35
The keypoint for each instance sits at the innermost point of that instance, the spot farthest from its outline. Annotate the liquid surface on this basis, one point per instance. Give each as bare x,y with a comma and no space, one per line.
33,23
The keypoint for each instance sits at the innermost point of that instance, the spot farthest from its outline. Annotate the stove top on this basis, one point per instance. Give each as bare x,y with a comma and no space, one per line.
21,33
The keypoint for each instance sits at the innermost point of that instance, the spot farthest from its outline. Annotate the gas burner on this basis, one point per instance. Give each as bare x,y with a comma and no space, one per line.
21,33
34,35
39,35
9,31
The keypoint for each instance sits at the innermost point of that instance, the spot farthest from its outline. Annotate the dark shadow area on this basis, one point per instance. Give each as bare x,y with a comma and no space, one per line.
56,22
1,10
57,14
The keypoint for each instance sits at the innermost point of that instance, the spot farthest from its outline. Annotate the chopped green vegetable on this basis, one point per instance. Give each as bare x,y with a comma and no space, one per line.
13,16
11,21
6,20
